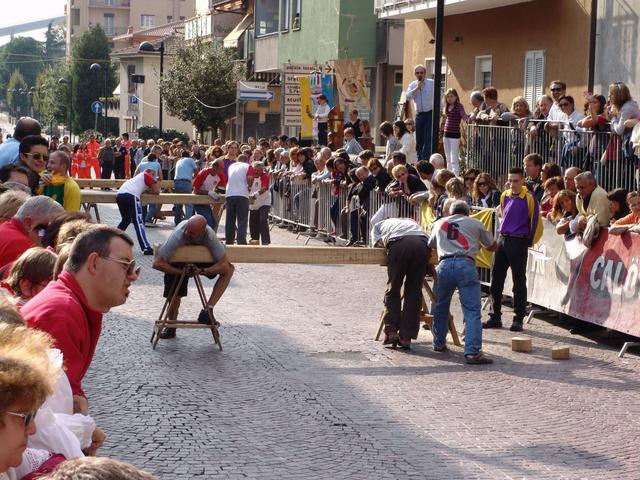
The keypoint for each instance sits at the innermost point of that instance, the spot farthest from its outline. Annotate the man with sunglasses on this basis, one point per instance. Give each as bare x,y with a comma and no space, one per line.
556,117
34,155
70,309
26,228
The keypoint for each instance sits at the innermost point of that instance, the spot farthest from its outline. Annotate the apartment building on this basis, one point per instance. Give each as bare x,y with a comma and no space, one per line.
117,16
518,46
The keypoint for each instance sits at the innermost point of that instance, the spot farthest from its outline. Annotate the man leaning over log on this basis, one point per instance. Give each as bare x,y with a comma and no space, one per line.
194,231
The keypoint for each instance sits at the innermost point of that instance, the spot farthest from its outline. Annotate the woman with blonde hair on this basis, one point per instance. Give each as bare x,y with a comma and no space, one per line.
623,111
564,210
10,202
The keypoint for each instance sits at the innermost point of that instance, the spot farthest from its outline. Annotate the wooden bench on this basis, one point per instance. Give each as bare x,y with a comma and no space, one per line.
91,198
115,183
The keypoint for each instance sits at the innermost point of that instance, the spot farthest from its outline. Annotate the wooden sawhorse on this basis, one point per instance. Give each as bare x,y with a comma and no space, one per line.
426,314
165,322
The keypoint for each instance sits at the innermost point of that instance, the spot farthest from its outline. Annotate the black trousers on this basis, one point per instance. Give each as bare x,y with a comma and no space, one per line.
322,133
407,264
107,169
118,168
512,253
259,224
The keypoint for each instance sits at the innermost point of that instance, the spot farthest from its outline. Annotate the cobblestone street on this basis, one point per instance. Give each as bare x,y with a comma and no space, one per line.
301,390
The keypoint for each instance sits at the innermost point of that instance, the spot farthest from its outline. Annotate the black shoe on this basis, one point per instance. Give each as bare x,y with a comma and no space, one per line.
404,343
167,333
351,243
441,349
516,326
492,323
391,339
148,251
204,317
478,359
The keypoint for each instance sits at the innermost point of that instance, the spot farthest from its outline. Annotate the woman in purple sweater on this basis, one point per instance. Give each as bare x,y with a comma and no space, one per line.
452,116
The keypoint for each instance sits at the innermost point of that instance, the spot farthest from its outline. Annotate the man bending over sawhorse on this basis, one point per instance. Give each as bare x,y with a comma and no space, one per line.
194,231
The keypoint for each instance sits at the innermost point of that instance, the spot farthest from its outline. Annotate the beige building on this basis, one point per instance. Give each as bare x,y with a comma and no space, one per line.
117,16
139,101
517,46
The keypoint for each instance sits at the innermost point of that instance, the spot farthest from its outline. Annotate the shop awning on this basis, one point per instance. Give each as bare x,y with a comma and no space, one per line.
231,40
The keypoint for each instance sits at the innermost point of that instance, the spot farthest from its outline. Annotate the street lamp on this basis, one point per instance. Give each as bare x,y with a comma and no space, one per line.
148,47
64,81
96,67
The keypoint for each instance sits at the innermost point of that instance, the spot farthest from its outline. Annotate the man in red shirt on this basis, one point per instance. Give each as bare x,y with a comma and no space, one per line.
26,228
70,308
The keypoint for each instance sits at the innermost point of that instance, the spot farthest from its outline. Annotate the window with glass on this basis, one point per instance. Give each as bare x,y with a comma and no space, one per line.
266,17
109,25
296,17
147,21
284,15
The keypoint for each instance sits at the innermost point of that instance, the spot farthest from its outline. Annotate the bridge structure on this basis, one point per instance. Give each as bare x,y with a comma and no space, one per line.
8,30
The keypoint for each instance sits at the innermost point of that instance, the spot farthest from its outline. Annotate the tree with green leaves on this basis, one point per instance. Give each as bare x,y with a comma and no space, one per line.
202,75
88,86
54,43
23,54
52,98
17,94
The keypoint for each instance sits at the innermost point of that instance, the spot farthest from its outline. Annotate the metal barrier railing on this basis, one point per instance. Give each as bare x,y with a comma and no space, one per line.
496,149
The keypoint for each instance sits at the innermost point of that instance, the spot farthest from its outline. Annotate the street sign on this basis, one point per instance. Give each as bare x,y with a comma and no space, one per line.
292,92
96,107
254,91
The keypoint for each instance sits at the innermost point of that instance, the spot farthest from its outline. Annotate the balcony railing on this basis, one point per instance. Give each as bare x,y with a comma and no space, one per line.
110,3
114,31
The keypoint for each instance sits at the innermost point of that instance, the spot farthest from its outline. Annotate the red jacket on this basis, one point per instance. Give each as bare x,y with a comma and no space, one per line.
62,311
14,241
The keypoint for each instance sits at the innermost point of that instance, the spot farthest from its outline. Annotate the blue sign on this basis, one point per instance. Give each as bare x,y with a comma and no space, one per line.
96,107
255,95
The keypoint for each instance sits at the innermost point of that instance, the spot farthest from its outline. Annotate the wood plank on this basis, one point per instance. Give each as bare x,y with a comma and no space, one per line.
101,196
284,254
113,183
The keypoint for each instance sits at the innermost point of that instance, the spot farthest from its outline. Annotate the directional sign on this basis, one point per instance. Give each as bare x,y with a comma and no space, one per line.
255,95
96,107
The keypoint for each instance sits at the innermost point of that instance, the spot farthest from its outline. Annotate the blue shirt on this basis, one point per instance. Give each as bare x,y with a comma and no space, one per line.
9,152
185,168
424,97
147,165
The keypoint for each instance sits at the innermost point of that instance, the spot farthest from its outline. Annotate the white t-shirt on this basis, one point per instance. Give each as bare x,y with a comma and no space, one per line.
237,182
409,148
263,199
138,184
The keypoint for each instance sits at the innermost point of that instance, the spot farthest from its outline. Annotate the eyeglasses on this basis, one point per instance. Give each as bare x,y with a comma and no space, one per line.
564,104
130,266
557,89
27,418
37,156
482,184
469,179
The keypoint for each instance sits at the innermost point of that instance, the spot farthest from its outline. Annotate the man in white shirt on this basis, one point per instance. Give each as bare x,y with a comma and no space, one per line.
237,201
556,116
421,92
321,115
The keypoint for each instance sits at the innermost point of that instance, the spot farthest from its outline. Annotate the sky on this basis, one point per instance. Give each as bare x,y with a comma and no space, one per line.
23,11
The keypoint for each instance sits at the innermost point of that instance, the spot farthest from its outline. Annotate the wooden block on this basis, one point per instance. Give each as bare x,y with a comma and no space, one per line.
284,254
560,353
113,183
100,196
521,344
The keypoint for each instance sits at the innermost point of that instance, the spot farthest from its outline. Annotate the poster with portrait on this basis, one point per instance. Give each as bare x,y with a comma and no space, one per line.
350,82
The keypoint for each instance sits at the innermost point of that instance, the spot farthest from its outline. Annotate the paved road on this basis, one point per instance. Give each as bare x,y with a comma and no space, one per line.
301,390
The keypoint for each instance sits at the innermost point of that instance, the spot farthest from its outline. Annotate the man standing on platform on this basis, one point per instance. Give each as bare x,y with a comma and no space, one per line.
408,254
421,92
520,217
458,240
194,231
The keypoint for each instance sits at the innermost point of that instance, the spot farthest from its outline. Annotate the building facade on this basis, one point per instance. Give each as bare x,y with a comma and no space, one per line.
517,46
117,16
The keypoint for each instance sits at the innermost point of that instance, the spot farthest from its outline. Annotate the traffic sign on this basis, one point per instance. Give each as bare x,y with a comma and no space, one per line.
96,107
254,91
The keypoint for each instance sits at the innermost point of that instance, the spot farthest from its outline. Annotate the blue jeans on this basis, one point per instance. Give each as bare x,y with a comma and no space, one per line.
206,212
182,186
423,134
237,213
458,272
151,213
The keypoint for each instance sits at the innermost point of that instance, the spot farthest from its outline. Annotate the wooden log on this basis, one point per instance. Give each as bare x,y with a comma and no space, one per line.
521,344
284,254
99,196
114,183
560,353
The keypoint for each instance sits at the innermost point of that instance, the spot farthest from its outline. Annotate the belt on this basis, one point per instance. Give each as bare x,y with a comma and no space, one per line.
458,255
424,113
511,235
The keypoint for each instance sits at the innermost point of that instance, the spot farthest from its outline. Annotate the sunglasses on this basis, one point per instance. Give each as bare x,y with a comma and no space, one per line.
27,418
37,156
564,104
469,179
482,184
556,89
131,266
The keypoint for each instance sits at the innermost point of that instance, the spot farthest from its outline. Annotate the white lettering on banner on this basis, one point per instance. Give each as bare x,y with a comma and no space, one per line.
631,282
539,259
595,282
606,275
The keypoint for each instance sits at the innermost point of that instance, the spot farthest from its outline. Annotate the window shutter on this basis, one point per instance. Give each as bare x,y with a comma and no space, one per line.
533,76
